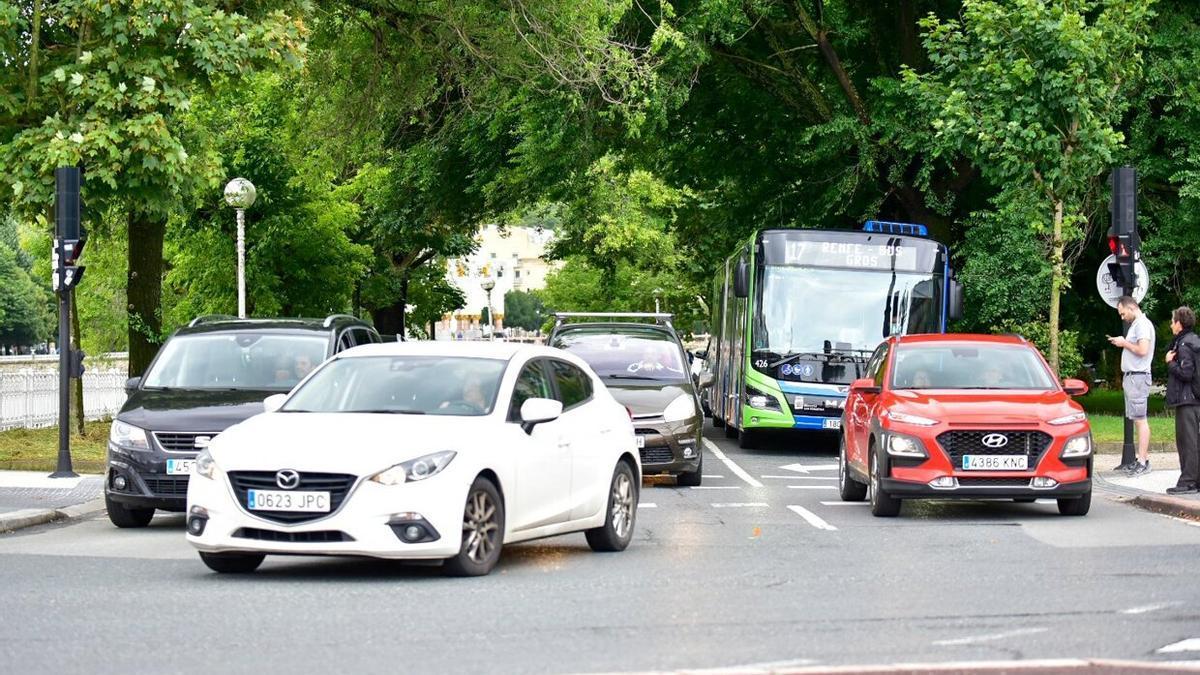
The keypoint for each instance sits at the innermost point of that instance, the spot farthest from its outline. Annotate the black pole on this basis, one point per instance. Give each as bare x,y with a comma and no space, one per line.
66,226
1128,450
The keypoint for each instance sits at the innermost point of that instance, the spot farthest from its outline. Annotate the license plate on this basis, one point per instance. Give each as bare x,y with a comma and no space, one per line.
180,467
995,462
278,500
641,442
832,423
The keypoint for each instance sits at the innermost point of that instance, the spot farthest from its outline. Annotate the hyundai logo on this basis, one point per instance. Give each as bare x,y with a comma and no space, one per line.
288,479
995,440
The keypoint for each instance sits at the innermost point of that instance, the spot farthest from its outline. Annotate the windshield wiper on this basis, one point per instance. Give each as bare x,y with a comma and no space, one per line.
387,411
798,355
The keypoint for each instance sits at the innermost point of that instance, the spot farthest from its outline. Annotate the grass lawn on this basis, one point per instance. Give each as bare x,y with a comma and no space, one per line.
1111,428
37,449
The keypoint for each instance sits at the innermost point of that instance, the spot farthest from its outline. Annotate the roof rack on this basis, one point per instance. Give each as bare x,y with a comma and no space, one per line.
659,317
210,317
330,319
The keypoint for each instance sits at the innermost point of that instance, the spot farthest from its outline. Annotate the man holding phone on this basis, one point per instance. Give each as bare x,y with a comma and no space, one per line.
1137,353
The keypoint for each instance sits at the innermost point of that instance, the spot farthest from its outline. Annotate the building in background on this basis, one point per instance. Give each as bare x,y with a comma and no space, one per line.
512,257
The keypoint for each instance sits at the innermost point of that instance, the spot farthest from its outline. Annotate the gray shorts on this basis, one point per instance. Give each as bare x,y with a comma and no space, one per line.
1137,394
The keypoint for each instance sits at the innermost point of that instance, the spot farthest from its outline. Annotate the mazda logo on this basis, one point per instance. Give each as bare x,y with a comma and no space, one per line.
995,440
289,479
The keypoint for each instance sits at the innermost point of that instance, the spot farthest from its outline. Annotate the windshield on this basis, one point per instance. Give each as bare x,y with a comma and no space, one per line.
417,385
969,366
814,309
236,360
643,355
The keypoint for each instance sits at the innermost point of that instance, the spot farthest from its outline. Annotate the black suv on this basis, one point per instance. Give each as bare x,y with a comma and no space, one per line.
647,370
208,376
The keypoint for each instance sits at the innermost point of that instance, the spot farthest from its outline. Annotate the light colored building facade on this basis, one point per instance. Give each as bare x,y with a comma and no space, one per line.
512,258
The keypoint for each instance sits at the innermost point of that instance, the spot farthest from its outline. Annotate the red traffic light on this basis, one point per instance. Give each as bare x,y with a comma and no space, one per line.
1113,244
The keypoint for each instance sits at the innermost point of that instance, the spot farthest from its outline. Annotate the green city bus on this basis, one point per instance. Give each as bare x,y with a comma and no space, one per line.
796,314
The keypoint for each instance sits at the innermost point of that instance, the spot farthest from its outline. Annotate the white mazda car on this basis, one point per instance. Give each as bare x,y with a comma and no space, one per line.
421,450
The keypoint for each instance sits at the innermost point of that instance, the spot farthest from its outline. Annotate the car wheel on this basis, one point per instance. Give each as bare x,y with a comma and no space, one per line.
232,563
482,532
882,504
691,478
123,517
849,489
1078,506
617,530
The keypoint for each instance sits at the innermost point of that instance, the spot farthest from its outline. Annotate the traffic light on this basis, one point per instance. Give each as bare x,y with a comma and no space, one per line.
71,235
1123,239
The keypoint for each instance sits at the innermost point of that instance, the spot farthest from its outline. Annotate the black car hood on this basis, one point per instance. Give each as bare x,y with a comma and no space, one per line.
191,409
647,398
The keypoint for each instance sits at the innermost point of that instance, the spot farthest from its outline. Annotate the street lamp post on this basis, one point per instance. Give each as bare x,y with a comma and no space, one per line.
488,285
240,194
657,295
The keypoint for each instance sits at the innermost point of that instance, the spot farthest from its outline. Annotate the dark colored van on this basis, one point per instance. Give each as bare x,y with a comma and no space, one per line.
647,370
208,376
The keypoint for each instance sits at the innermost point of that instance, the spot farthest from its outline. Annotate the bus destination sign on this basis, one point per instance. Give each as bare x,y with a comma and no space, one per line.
851,254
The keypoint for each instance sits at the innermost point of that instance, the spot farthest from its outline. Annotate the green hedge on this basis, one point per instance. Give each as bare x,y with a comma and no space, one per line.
1112,402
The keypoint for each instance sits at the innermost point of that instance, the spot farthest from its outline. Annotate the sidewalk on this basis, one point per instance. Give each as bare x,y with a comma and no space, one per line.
1148,491
31,498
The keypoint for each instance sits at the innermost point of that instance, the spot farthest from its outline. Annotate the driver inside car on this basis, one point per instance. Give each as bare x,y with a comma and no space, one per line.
472,395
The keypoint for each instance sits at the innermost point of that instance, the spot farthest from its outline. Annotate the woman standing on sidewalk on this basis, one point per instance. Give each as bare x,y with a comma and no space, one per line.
1182,383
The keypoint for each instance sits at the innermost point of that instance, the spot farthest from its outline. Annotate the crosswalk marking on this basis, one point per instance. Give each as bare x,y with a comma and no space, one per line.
812,518
737,470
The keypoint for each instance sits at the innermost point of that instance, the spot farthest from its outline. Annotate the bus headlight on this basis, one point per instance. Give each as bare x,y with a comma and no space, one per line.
761,400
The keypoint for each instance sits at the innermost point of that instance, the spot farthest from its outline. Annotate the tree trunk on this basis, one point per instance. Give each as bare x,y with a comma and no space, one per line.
403,304
77,384
144,288
1056,283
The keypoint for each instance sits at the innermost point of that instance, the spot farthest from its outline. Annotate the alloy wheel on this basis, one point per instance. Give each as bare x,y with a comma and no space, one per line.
622,505
480,528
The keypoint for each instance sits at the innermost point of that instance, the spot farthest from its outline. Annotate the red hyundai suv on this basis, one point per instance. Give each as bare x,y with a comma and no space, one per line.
964,417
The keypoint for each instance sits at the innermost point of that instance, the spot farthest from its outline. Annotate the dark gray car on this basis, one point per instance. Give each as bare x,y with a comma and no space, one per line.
646,369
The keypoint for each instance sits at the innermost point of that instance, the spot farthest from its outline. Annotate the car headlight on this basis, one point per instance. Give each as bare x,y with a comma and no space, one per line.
756,398
126,435
1078,446
899,445
905,418
1069,419
205,466
680,409
415,469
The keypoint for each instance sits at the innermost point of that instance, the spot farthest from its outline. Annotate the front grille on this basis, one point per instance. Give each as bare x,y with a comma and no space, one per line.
980,481
181,441
318,537
656,455
167,486
336,484
1029,443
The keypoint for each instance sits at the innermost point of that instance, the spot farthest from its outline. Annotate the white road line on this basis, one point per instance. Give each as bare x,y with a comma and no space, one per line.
812,518
737,470
1188,645
845,503
805,468
1146,609
716,487
804,477
647,506
739,505
974,639
812,487
712,475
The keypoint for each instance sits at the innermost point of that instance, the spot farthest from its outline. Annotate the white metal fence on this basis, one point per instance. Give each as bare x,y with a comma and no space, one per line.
29,398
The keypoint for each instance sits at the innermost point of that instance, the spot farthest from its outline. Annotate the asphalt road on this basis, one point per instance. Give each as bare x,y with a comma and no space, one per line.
761,565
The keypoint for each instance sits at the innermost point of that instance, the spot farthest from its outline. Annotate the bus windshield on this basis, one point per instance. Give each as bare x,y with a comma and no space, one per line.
809,309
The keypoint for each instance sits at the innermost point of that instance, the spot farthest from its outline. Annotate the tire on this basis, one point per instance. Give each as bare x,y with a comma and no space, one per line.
718,422
232,563
883,505
125,517
621,514
692,478
1079,506
849,489
482,532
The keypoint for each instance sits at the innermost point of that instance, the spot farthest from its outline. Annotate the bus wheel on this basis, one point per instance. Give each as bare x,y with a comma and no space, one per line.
730,431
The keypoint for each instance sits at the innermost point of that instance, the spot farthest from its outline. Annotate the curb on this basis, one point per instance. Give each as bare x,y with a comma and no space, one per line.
1167,505
18,520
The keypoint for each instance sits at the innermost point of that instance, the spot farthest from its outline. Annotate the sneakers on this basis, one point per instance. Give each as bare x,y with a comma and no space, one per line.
1182,490
1139,469
1125,467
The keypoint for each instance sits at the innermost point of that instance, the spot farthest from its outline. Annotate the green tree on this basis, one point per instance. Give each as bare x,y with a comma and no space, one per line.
523,309
103,85
1032,92
23,317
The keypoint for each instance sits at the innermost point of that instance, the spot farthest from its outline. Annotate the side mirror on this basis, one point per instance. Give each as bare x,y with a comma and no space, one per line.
706,380
132,383
274,402
535,411
1075,387
741,279
956,300
865,385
